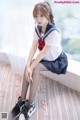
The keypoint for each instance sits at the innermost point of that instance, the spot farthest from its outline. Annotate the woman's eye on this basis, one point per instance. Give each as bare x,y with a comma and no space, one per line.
41,15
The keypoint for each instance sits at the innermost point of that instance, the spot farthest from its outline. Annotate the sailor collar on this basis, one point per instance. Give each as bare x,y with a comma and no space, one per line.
49,28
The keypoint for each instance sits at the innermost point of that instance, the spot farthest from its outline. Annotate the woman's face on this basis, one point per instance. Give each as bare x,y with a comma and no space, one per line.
41,20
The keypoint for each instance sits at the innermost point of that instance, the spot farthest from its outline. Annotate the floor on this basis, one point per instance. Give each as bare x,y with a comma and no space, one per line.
53,100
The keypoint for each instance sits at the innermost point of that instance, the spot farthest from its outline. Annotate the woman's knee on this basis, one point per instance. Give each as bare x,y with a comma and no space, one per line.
38,68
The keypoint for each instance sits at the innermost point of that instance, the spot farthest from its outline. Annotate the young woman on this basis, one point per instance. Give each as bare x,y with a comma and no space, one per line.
47,38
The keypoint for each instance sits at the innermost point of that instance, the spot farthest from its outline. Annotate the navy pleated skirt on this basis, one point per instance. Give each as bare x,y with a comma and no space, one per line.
58,66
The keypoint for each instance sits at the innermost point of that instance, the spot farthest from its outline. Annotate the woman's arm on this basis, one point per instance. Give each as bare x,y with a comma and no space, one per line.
40,56
32,52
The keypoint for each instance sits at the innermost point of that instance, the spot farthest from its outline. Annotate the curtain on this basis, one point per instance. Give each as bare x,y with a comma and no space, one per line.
16,33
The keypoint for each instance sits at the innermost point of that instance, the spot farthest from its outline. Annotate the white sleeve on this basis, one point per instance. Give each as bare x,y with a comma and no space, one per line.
35,36
52,38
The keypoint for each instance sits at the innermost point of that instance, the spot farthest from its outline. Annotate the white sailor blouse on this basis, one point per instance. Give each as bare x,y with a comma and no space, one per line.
52,37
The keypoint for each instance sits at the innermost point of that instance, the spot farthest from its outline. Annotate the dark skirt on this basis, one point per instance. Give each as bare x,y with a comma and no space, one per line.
58,66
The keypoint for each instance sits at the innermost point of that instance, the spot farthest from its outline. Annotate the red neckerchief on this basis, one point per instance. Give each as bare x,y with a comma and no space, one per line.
41,44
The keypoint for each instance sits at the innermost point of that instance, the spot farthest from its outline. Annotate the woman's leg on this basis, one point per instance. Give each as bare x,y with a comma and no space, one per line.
25,86
34,85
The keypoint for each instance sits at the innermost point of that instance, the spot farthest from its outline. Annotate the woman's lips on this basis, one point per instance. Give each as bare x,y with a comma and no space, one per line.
39,23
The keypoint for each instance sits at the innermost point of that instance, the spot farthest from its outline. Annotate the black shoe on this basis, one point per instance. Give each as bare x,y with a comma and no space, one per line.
17,107
28,110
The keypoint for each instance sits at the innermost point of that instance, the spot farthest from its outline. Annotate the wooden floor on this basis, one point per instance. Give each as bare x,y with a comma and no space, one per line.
53,100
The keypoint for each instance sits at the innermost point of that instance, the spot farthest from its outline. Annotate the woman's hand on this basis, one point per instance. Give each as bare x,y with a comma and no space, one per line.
28,73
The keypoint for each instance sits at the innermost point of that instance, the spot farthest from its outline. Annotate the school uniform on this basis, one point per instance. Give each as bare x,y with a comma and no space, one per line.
55,60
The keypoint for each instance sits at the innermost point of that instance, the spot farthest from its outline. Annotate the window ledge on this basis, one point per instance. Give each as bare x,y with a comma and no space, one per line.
71,79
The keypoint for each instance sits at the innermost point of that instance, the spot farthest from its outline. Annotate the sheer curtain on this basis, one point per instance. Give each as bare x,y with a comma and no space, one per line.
16,34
